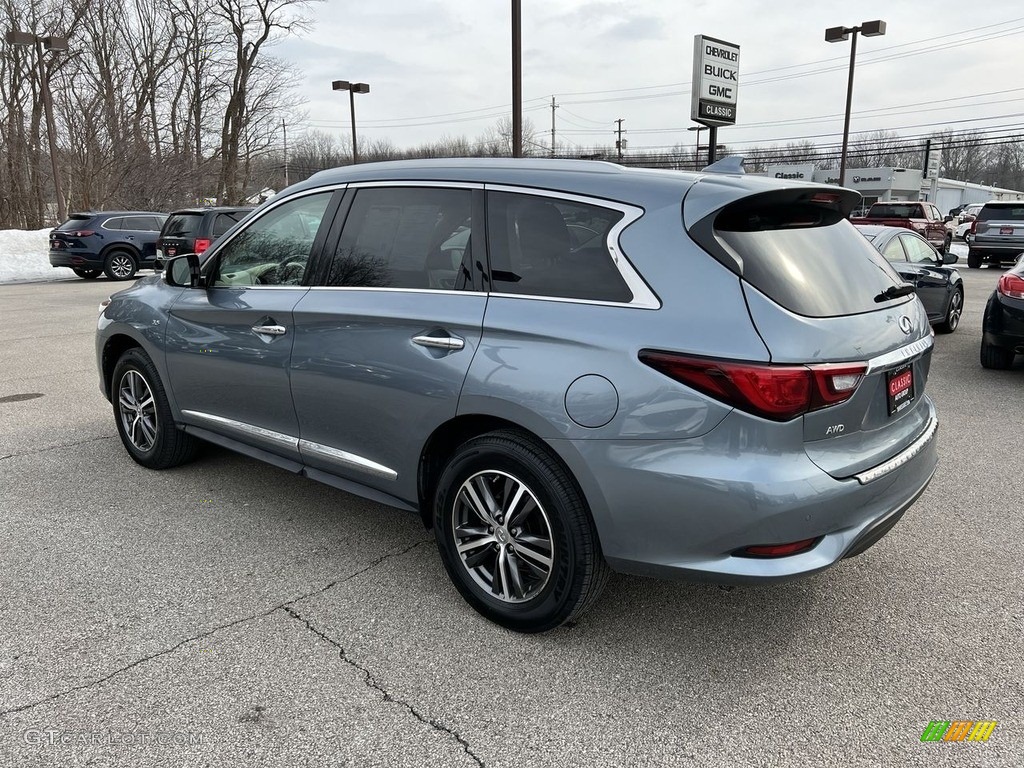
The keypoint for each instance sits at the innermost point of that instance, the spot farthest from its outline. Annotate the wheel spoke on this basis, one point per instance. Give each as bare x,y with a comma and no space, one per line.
479,557
485,493
512,517
474,503
126,400
147,404
515,577
148,431
499,583
479,541
521,548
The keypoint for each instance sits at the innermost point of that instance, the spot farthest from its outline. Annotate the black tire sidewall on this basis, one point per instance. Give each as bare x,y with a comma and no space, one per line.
137,360
558,598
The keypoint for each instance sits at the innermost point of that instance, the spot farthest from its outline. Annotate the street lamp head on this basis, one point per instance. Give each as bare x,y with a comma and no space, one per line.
341,85
20,38
837,34
874,28
53,43
345,85
361,87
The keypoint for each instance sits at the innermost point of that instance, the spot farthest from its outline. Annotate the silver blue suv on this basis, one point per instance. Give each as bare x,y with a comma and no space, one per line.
563,367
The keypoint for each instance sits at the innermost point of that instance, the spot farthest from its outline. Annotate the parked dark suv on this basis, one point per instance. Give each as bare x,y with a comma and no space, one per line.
117,243
997,235
563,366
193,230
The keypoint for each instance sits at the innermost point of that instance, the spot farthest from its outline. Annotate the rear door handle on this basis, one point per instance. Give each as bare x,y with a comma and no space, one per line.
440,342
269,330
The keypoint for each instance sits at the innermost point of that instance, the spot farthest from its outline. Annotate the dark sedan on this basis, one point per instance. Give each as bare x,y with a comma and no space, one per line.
940,287
1003,324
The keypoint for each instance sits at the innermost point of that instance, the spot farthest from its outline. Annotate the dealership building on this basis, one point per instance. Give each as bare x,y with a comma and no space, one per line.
898,184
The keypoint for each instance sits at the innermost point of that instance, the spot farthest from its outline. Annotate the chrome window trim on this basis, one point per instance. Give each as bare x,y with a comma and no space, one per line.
907,352
433,291
417,183
268,435
643,296
901,458
346,459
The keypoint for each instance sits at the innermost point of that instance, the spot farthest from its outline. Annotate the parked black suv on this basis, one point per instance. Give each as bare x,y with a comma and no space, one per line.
117,243
997,235
193,230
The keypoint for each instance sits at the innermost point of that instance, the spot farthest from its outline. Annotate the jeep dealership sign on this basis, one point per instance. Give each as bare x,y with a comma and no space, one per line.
716,81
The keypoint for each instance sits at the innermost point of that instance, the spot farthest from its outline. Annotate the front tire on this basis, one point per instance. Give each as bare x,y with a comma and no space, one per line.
953,313
86,273
143,415
515,534
120,265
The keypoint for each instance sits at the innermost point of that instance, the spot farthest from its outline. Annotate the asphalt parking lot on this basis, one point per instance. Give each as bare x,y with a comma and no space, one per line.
229,613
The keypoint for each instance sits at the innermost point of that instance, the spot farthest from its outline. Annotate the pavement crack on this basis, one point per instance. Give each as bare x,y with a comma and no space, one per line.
285,606
371,682
34,451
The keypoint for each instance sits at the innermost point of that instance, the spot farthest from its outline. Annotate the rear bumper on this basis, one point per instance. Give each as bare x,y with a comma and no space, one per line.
67,258
995,247
683,509
1003,323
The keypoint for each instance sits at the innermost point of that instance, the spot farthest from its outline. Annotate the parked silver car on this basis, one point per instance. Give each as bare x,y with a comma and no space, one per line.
725,381
997,234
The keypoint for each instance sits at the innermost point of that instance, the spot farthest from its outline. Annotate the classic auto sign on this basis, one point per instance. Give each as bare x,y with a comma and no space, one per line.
716,81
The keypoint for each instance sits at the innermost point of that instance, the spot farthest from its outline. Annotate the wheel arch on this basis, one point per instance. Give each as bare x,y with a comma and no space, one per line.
121,246
447,437
113,348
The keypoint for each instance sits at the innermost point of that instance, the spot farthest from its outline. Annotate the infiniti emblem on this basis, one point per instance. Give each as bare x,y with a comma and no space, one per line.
906,324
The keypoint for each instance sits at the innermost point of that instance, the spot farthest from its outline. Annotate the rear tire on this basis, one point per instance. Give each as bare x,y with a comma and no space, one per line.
947,244
120,265
995,357
143,415
974,259
515,534
953,312
86,273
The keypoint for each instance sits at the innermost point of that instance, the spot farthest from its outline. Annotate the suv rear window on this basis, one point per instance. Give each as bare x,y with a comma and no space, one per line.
74,223
182,224
1001,213
895,211
807,258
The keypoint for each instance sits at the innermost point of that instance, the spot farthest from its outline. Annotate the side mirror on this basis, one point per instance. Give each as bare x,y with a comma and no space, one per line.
946,219
183,271
950,258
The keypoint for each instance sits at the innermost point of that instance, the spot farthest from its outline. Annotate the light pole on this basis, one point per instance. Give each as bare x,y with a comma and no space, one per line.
696,151
517,78
353,89
837,35
50,43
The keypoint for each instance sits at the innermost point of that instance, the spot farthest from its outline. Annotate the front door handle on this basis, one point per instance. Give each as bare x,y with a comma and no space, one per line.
269,330
451,343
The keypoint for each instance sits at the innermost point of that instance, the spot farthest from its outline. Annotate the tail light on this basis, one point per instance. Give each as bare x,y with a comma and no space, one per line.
1011,286
776,392
974,227
202,243
81,233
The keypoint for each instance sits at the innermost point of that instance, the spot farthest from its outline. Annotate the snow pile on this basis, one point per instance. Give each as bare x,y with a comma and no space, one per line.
25,256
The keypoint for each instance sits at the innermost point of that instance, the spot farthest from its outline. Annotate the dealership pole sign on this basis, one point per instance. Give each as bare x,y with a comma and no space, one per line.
716,81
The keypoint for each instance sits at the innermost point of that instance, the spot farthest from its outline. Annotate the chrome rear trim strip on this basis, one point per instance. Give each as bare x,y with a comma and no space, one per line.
347,459
901,458
897,356
267,435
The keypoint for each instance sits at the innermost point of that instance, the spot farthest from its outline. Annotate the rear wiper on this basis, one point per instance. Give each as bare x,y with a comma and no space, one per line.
895,292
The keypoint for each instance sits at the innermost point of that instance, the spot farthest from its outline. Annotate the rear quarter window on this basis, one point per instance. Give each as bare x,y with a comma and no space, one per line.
182,224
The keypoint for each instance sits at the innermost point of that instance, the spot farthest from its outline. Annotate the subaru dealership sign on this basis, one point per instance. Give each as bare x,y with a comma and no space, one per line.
716,81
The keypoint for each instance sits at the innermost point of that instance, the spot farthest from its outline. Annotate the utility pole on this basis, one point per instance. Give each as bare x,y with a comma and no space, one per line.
553,108
619,132
284,127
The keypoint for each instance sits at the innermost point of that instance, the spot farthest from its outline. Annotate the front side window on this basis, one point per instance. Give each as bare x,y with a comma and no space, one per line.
274,249
918,251
543,246
405,237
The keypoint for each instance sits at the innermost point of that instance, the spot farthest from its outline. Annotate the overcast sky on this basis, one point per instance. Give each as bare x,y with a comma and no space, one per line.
443,67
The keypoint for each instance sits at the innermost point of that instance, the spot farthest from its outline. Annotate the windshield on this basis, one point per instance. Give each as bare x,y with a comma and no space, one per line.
182,224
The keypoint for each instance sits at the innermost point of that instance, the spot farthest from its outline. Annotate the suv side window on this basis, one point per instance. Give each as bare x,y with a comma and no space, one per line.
543,246
223,222
918,251
894,251
135,223
114,224
275,248
405,237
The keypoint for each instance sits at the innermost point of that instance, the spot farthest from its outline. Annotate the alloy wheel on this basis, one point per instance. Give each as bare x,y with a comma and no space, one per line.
121,266
956,308
137,410
503,536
